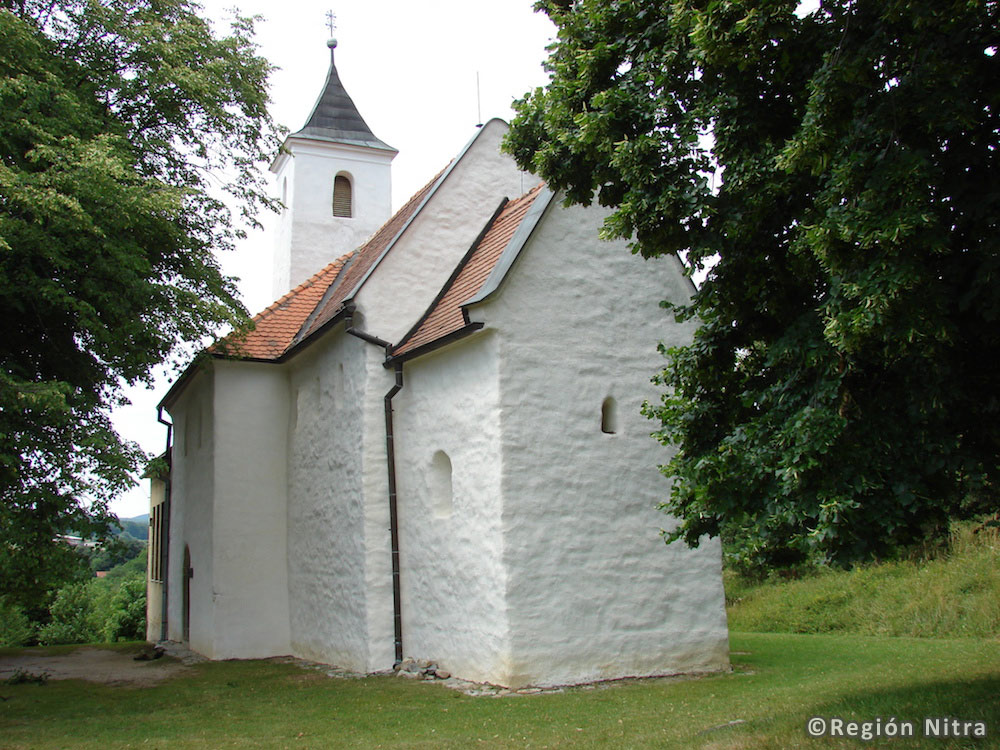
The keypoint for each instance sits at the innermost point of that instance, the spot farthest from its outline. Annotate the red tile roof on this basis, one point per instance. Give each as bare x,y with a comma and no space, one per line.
314,302
446,316
276,327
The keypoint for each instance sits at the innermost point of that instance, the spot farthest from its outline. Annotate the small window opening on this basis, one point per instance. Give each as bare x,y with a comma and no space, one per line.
440,485
342,196
157,542
609,416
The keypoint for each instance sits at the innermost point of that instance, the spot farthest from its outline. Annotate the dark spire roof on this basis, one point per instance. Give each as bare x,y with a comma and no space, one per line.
335,118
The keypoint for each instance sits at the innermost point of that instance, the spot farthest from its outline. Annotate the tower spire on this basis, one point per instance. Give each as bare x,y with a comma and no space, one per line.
335,181
335,116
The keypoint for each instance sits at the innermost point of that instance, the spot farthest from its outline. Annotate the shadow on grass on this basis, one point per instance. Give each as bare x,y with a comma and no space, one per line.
975,699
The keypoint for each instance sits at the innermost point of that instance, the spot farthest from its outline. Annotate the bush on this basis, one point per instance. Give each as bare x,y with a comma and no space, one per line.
15,627
75,618
127,617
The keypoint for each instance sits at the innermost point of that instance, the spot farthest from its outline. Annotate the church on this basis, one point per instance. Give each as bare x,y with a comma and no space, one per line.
431,446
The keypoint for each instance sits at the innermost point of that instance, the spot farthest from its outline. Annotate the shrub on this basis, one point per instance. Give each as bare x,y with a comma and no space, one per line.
74,616
127,617
15,627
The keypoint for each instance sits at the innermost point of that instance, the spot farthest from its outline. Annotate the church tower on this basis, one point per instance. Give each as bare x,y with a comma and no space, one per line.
333,177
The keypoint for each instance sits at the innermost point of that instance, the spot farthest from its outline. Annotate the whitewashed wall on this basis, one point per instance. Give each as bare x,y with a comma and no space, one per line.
375,490
409,277
309,235
250,583
192,516
593,592
448,459
154,589
326,534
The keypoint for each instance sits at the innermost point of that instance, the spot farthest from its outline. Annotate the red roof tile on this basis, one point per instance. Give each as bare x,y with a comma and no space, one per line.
446,316
277,326
314,302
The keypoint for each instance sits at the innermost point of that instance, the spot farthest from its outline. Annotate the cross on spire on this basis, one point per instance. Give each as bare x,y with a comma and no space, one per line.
331,21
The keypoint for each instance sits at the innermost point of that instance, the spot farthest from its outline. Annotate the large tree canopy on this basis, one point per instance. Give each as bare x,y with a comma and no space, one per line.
840,167
119,119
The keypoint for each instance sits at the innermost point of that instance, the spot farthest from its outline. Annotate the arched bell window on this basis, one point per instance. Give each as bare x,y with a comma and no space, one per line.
342,196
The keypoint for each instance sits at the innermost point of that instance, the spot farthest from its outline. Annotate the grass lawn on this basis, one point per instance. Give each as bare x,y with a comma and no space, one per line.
780,680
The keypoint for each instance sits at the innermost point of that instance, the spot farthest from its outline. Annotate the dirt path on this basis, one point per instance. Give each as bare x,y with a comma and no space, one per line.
95,665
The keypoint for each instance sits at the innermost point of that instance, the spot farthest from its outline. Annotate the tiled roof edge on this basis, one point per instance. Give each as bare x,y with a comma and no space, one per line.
311,317
514,247
454,275
435,344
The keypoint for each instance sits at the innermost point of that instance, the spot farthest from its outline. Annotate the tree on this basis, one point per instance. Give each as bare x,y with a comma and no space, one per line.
840,166
118,121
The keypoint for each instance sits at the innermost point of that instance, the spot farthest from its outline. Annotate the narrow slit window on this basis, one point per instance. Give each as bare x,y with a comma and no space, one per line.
342,196
441,485
609,416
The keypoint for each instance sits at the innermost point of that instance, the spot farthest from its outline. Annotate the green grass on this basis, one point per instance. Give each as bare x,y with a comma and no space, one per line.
956,595
780,681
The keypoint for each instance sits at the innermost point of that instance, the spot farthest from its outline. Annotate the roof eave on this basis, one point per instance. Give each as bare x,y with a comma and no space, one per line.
437,343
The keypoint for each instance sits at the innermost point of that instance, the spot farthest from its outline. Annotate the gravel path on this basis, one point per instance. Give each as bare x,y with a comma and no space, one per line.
96,665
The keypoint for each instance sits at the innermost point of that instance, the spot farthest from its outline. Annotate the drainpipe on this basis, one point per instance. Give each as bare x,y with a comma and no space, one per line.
390,459
165,527
397,611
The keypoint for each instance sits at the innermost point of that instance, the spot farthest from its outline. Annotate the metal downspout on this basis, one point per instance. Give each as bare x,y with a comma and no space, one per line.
397,610
390,459
165,528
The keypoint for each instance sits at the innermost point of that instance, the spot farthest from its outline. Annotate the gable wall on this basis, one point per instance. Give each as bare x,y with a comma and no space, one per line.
407,279
592,590
451,548
326,515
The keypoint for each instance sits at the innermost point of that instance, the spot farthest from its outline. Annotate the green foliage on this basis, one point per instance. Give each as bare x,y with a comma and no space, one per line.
839,172
75,616
15,627
116,117
127,618
955,595
115,552
99,610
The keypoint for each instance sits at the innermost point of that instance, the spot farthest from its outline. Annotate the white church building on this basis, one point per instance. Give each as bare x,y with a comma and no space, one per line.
430,446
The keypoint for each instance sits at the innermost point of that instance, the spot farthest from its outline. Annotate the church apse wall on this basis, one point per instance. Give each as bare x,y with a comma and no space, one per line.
593,591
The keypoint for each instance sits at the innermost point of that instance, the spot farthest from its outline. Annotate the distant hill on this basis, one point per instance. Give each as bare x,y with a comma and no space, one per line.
136,527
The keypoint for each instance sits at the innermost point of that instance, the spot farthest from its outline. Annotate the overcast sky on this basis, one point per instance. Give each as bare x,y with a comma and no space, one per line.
411,69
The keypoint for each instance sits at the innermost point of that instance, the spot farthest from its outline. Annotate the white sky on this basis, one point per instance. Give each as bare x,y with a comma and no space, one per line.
411,70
